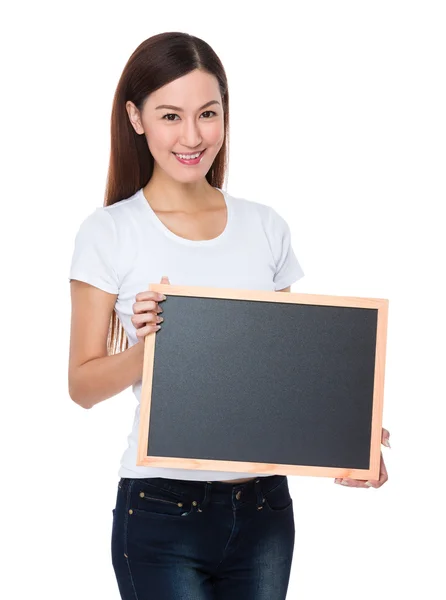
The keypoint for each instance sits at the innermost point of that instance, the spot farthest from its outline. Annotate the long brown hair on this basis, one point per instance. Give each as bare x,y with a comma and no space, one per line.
159,60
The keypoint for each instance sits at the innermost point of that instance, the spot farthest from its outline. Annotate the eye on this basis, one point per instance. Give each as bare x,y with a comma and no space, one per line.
175,115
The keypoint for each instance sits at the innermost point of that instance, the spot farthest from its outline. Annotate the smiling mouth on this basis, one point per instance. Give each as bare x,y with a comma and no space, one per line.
189,156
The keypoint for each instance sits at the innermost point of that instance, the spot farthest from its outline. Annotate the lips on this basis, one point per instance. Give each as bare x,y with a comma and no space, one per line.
189,155
190,161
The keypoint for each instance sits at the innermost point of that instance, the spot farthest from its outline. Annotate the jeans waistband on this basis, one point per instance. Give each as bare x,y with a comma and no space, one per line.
228,493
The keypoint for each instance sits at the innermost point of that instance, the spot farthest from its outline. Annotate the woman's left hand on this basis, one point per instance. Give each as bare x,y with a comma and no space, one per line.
383,477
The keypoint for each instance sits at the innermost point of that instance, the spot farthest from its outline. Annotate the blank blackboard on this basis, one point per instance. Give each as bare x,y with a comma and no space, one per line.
264,382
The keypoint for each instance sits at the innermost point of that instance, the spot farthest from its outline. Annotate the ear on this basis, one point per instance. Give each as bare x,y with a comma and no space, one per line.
134,116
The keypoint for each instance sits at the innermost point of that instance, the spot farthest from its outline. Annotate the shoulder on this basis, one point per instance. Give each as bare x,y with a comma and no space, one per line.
269,217
109,219
125,206
250,206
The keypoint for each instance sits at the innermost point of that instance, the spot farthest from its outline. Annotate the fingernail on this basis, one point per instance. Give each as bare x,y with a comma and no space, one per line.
344,482
387,443
368,484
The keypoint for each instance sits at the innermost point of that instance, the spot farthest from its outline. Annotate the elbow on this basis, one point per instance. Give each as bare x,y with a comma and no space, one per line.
75,391
80,402
78,398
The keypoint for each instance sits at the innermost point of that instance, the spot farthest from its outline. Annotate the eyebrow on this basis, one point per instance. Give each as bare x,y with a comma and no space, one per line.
181,110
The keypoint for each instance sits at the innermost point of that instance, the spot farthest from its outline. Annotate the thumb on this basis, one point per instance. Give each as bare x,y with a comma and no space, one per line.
385,434
165,279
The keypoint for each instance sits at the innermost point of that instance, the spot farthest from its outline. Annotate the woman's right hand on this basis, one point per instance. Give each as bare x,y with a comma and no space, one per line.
146,309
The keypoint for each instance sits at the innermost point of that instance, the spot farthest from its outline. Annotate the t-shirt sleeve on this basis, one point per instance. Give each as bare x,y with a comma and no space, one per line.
94,258
288,268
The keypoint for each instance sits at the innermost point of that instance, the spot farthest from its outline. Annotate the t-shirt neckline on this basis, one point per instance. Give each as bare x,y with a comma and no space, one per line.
160,225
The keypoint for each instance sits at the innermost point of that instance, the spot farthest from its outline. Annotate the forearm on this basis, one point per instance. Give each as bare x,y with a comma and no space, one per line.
102,378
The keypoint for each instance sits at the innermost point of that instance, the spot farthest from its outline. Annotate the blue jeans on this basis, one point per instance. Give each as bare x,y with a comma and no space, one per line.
174,539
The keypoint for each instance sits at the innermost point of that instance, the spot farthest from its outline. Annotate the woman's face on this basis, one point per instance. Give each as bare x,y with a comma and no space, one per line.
183,117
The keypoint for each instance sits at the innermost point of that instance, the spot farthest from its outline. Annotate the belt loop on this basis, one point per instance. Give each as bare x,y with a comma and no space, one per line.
259,494
207,493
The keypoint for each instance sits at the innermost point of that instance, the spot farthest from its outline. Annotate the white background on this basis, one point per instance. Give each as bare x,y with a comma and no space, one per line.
338,122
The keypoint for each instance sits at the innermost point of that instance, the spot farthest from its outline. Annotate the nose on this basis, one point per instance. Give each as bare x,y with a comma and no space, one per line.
190,134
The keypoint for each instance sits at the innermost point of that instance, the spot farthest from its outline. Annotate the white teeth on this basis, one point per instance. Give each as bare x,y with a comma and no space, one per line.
188,156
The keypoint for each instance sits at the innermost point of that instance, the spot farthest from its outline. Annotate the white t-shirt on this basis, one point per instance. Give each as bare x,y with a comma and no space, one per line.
123,247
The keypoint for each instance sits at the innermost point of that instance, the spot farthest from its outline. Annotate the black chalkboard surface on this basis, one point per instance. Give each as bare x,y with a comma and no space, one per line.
264,382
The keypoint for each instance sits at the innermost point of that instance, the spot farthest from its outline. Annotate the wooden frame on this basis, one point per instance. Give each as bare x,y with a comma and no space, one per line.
381,305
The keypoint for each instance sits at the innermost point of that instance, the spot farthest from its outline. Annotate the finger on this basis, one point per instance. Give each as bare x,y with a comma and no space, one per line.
143,307
385,434
149,295
363,483
165,279
139,320
383,476
353,482
143,331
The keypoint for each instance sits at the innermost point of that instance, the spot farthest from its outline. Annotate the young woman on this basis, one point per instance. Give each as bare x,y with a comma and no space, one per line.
177,534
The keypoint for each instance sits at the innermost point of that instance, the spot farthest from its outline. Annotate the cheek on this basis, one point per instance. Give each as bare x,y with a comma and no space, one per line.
214,134
159,139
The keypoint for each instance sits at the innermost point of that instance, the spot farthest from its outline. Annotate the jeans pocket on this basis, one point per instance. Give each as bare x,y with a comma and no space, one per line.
278,499
153,500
